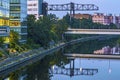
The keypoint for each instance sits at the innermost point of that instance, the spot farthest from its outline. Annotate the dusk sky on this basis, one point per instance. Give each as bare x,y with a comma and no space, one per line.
105,6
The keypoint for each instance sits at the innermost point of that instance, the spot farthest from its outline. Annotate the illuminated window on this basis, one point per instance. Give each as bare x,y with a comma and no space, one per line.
4,22
14,23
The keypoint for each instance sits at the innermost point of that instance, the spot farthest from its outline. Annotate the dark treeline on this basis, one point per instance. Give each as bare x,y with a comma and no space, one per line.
45,30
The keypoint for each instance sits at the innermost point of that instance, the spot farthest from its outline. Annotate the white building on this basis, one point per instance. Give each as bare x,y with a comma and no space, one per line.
34,7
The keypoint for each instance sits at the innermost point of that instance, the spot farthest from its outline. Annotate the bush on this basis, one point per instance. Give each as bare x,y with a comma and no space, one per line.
1,54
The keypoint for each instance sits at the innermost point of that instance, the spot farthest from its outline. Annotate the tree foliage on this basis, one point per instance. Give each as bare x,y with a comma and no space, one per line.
14,39
1,41
45,29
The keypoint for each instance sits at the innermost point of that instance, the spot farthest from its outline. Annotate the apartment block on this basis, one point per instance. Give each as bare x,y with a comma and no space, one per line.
102,19
117,21
34,7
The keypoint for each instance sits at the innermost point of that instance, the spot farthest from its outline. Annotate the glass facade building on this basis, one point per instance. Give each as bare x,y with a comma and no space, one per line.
18,14
4,18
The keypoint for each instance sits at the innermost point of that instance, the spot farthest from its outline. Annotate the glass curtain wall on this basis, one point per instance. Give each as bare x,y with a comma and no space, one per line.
4,20
18,14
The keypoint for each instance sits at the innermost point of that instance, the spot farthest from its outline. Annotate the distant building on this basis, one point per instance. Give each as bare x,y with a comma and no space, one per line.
117,21
34,7
82,16
102,19
18,14
4,19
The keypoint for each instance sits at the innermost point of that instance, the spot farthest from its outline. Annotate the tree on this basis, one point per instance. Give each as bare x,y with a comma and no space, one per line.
61,28
14,42
14,75
112,26
14,39
41,31
31,24
1,41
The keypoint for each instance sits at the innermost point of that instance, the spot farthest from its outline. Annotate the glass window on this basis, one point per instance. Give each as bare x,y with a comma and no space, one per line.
14,23
14,1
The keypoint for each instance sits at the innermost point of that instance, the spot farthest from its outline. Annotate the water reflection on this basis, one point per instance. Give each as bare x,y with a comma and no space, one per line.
108,69
108,50
73,70
89,46
59,67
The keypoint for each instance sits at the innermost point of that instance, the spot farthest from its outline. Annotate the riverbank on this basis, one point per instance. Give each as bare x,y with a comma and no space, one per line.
12,64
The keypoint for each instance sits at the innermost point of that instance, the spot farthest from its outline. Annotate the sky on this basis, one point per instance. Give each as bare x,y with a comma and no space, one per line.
105,6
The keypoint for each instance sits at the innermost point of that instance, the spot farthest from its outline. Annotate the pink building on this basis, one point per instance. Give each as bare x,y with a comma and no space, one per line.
102,19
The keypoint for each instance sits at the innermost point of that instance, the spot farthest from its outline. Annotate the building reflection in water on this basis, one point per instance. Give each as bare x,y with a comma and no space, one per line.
108,50
72,70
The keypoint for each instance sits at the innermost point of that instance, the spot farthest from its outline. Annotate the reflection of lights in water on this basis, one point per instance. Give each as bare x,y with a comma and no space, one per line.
81,69
109,69
80,65
53,67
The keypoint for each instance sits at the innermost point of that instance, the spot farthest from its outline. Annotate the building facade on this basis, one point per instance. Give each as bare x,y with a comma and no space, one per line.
117,21
102,19
82,16
18,14
4,18
34,7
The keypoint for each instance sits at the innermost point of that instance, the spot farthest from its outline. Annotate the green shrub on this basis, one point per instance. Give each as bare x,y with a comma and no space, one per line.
1,53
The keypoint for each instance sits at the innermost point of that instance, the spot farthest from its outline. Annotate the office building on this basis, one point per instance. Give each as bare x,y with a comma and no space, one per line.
18,14
4,20
34,7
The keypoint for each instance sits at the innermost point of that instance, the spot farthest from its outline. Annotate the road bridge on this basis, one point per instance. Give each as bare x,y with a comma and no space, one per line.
94,31
80,55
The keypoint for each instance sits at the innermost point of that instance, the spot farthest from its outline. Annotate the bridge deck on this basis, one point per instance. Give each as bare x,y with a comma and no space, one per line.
94,31
94,56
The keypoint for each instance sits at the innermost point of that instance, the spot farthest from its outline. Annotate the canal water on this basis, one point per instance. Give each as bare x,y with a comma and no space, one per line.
57,66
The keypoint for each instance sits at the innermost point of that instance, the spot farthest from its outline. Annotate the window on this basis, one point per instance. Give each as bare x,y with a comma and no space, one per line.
14,1
14,23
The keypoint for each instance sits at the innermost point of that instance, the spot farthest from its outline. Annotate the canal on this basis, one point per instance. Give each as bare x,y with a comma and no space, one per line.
58,66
